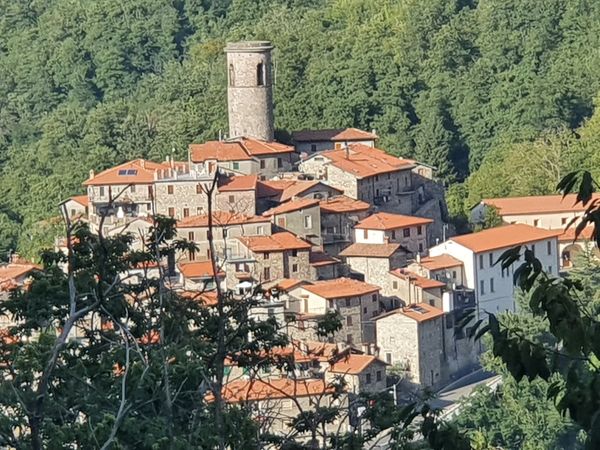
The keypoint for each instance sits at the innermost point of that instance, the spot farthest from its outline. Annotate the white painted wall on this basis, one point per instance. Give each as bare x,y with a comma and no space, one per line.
373,236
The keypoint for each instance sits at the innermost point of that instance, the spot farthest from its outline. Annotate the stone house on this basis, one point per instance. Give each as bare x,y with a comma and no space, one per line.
227,227
244,156
237,194
271,193
409,288
357,303
408,231
312,141
266,258
374,261
76,207
274,402
323,266
362,373
412,337
442,267
301,216
199,276
339,214
367,174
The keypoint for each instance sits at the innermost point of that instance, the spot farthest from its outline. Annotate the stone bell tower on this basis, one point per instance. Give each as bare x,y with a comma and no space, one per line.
250,90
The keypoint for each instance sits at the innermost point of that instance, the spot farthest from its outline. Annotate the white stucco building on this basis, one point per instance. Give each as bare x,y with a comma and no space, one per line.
494,289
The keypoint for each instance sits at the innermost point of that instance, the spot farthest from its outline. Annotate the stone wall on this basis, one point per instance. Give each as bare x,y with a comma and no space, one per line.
185,199
295,222
239,202
375,270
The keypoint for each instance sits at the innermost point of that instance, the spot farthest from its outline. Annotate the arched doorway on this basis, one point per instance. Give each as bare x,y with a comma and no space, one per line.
569,253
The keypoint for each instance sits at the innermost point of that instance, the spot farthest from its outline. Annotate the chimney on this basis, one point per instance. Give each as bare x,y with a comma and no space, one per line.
92,174
347,149
143,163
418,257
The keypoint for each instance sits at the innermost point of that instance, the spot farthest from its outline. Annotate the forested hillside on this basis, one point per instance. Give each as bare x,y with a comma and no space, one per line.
495,90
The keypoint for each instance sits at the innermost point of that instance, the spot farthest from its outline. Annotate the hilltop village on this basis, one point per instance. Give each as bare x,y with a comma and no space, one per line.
328,222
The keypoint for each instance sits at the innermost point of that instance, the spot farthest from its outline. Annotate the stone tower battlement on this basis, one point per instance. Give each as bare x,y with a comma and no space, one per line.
250,90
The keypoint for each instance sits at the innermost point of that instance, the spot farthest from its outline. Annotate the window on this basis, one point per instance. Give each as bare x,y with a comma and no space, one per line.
349,321
454,274
388,358
491,259
191,236
366,234
267,273
365,310
482,287
279,163
536,222
260,74
374,297
170,189
368,378
262,163
405,181
171,212
550,269
150,191
236,165
431,302
271,312
313,147
192,255
420,247
132,188
481,261
395,284
378,375
186,212
307,222
101,191
349,339
294,253
347,302
406,232
563,221
549,247
294,268
198,188
231,75
265,256
231,199
259,230
491,285
420,230
281,222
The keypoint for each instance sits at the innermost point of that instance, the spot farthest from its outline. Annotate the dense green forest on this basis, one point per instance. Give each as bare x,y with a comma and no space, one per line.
499,95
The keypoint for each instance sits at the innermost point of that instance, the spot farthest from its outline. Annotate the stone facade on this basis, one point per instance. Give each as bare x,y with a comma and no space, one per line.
250,93
239,202
373,379
375,270
304,223
413,345
181,198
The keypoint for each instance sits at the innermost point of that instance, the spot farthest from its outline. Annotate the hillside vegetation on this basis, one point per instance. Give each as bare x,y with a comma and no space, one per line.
495,93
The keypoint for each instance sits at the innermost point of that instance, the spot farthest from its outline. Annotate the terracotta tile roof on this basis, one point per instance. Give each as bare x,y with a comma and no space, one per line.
362,161
243,391
83,200
138,171
342,204
11,272
197,269
318,258
220,219
323,351
541,204
291,206
284,190
341,288
238,183
420,312
371,250
389,221
333,135
277,242
503,237
237,149
422,282
285,284
353,364
443,261
587,234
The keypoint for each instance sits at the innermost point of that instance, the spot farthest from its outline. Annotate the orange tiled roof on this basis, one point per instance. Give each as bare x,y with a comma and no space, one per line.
343,204
353,364
422,282
197,269
237,149
291,206
286,284
443,261
422,312
333,135
207,298
243,391
81,199
370,250
138,171
276,242
284,190
318,258
389,221
503,237
341,288
363,161
238,183
10,272
568,235
220,219
541,204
